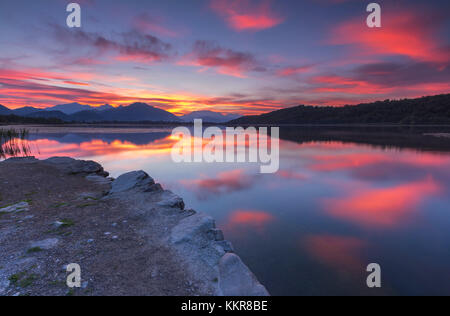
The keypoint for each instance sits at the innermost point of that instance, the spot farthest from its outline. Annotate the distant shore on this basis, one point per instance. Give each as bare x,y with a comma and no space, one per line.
129,235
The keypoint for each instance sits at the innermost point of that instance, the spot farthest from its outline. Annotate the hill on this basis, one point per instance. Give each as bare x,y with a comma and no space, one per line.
70,108
4,110
50,114
138,112
208,117
425,110
25,111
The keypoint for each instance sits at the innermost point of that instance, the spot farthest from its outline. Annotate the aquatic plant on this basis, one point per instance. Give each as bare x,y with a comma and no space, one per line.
14,143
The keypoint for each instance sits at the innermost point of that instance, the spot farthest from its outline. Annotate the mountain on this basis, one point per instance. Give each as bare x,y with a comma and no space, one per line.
103,107
425,110
25,111
209,117
87,116
138,112
4,110
70,108
50,114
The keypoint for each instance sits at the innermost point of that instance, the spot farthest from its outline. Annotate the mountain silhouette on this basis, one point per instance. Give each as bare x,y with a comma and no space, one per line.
25,111
209,117
138,112
70,108
4,110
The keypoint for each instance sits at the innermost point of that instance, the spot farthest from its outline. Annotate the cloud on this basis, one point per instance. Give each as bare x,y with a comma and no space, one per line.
291,71
147,23
406,33
209,54
245,15
403,74
127,46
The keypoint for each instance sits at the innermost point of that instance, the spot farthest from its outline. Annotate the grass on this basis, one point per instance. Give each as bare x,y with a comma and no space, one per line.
23,279
16,277
67,223
58,205
14,143
86,205
29,280
34,250
31,193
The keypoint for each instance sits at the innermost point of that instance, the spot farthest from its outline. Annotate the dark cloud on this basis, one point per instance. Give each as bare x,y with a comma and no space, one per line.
403,74
127,46
228,61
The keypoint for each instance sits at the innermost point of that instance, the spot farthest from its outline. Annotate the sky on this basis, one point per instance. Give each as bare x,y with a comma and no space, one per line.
231,56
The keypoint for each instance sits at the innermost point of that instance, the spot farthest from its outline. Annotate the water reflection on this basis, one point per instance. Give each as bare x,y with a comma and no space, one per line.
341,200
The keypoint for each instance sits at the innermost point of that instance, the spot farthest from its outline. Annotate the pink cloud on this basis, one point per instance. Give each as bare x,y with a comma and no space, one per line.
244,15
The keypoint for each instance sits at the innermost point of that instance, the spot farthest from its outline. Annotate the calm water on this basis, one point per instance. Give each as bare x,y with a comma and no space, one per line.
341,200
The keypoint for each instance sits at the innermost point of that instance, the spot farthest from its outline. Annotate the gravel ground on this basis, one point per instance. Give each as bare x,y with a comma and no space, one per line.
63,219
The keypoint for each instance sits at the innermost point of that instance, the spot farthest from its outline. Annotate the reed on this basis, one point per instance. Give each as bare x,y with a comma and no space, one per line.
14,143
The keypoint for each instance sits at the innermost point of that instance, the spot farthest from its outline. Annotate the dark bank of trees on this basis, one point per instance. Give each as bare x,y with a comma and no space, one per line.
425,110
14,119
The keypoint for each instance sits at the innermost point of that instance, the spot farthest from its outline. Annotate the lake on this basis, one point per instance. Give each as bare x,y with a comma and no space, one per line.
343,198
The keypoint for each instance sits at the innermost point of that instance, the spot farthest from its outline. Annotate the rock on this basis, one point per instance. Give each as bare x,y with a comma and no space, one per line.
195,229
4,284
136,180
46,243
19,207
169,199
73,166
98,179
226,245
235,279
57,224
30,159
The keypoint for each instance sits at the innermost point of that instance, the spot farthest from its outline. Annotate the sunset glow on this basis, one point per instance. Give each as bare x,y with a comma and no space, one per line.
244,57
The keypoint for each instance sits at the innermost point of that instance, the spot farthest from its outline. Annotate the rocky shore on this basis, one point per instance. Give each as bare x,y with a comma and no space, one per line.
129,235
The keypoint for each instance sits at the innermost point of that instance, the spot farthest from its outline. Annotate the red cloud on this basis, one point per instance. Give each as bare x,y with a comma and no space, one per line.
242,15
403,33
291,71
335,83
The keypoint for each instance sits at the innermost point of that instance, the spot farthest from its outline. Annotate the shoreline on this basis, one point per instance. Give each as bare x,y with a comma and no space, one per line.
159,247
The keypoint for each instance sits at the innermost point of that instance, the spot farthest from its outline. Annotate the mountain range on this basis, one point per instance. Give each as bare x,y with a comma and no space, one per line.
136,112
